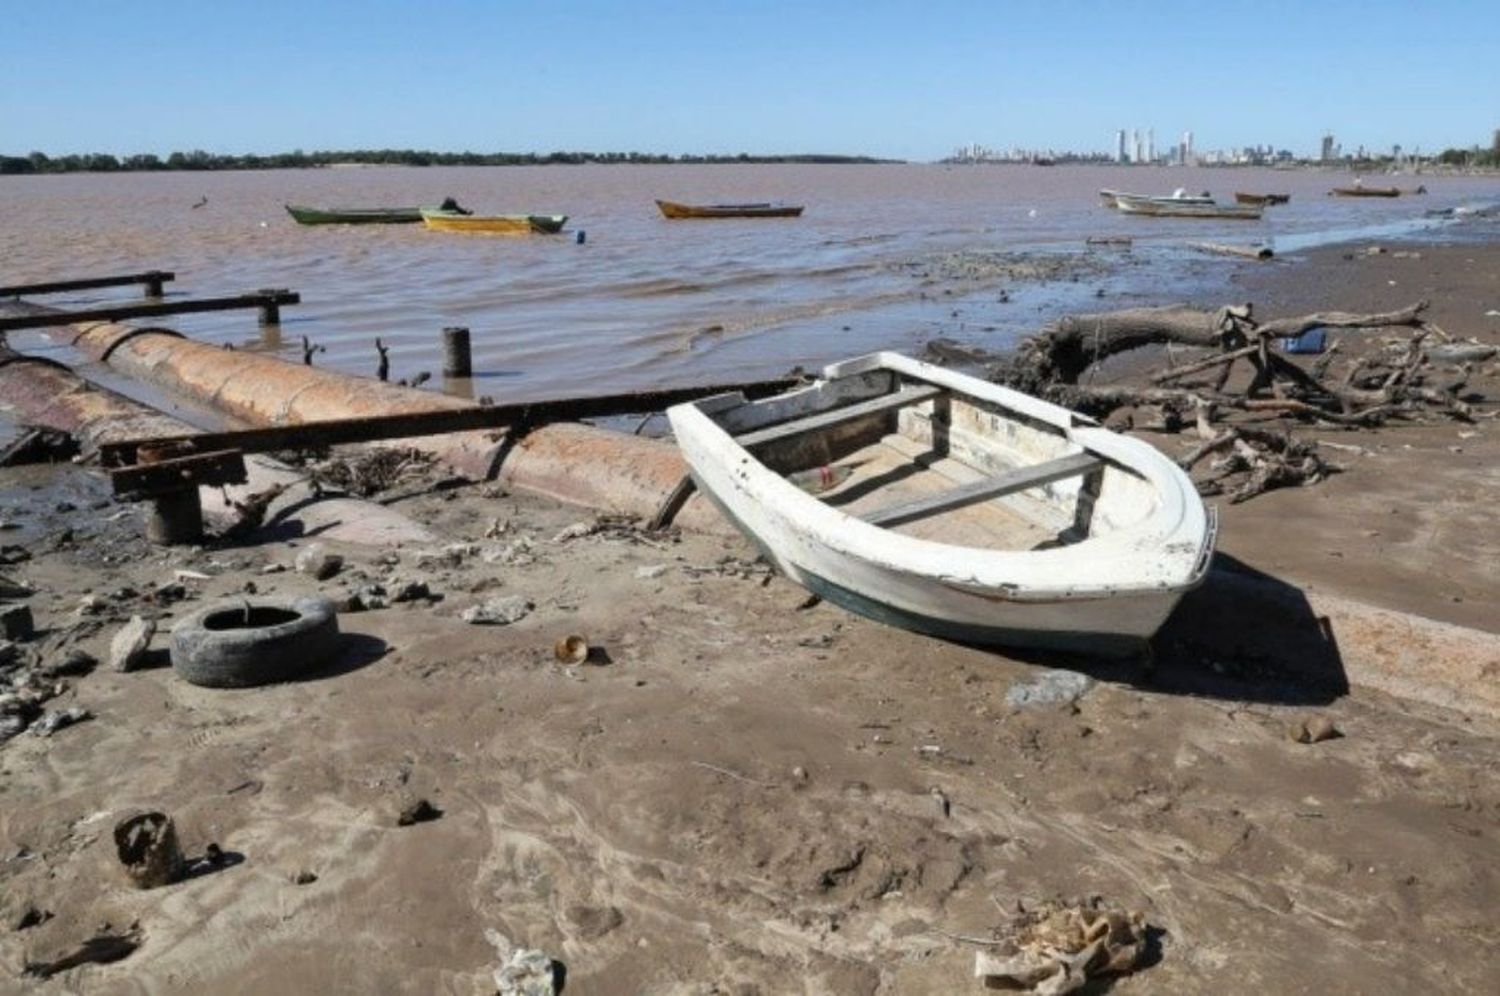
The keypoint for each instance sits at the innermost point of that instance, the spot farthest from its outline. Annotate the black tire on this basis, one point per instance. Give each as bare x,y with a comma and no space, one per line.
286,638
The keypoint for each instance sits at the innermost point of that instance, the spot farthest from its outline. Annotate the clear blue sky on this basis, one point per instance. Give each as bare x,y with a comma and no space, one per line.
908,80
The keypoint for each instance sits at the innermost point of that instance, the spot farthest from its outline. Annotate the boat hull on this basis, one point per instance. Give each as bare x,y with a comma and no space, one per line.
1117,626
1159,208
1366,191
354,216
1035,599
501,224
1262,199
676,211
1111,198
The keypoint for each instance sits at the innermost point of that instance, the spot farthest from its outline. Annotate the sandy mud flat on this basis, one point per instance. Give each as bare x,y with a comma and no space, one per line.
742,793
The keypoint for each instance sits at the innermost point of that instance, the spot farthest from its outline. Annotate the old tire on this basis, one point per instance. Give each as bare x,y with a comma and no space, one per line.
282,639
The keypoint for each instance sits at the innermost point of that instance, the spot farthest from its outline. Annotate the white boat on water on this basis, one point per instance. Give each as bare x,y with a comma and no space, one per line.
956,507
1165,208
1111,198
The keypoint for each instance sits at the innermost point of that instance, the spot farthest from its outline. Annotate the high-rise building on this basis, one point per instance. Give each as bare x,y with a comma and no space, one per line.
1327,153
1120,144
1150,145
1187,148
1137,147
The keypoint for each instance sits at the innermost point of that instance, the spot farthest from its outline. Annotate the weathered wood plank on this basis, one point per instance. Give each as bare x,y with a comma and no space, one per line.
910,395
1020,479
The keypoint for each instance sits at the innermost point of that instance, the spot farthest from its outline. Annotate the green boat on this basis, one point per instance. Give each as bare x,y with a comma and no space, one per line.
367,216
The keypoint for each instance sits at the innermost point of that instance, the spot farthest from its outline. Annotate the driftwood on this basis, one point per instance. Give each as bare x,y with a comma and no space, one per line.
1204,395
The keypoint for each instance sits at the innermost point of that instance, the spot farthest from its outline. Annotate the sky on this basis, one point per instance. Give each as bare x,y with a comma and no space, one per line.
906,80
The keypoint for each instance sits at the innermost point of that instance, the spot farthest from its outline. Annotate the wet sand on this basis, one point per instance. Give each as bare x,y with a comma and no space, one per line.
755,797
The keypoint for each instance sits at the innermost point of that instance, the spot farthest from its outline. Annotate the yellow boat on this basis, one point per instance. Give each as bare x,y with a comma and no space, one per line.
494,224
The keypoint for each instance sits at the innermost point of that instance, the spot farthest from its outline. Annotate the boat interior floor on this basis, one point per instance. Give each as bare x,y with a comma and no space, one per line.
897,469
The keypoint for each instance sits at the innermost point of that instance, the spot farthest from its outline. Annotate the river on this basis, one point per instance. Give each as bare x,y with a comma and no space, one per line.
885,256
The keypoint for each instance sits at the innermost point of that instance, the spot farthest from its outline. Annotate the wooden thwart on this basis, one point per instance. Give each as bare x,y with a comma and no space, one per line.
910,395
1020,479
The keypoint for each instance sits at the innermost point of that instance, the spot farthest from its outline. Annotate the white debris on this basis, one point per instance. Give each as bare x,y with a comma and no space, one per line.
498,611
1048,688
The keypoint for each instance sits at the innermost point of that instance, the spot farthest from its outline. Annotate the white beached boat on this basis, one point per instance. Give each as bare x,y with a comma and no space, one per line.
955,507
1178,196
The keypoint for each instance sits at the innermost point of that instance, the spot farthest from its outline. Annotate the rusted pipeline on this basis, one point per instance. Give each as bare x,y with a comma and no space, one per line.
571,462
46,393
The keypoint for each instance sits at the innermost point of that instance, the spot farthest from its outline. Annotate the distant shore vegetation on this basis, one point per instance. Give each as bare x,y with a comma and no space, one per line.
40,162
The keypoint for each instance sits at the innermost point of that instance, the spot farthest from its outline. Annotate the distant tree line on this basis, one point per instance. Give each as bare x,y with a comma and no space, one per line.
1471,157
39,162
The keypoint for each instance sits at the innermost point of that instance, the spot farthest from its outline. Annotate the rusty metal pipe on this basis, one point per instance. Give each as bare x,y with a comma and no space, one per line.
570,462
47,393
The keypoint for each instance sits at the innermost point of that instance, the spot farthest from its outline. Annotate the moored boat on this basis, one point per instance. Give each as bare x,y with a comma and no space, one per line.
494,224
368,216
1160,208
1360,191
957,507
1178,196
354,216
1263,200
764,209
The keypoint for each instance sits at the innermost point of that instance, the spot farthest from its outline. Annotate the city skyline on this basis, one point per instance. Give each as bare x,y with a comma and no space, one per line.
885,79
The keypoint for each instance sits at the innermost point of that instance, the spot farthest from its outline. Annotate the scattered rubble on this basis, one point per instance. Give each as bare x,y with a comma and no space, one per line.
74,662
16,622
372,471
317,561
1313,730
420,811
527,972
51,722
146,844
1048,688
1058,949
498,611
517,553
128,648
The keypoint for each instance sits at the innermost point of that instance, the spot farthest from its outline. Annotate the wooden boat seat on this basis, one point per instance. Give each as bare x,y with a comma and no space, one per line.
909,395
1019,479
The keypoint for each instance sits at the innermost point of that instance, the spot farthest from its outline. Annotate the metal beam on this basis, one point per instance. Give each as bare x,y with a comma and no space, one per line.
150,480
153,279
316,435
119,312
